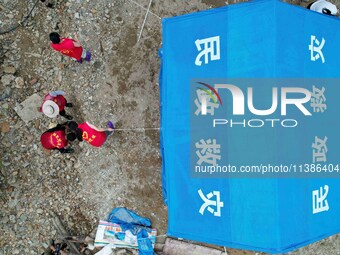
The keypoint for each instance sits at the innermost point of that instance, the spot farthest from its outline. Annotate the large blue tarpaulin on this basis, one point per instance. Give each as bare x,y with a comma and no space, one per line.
258,39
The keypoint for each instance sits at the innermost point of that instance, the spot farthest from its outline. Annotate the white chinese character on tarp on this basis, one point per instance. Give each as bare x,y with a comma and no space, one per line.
207,151
211,46
204,103
319,149
208,203
316,47
320,203
318,100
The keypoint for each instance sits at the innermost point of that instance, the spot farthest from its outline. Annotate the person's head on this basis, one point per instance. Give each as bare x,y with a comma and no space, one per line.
55,37
71,137
72,125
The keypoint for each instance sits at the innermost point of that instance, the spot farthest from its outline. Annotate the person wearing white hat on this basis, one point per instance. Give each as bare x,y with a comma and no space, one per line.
50,109
323,6
54,104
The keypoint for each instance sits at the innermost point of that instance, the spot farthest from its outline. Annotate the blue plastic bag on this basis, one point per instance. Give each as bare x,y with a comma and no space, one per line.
128,220
145,244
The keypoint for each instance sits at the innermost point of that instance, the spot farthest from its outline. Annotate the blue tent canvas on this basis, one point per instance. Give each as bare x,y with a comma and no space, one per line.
254,40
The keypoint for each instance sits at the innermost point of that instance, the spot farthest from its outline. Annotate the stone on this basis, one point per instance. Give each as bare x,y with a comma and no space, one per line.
12,203
23,217
29,138
45,245
37,124
10,70
12,218
77,15
175,247
5,93
10,189
28,109
19,82
7,79
6,163
33,81
46,152
5,127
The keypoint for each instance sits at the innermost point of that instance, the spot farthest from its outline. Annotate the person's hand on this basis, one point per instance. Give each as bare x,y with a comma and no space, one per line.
76,38
69,150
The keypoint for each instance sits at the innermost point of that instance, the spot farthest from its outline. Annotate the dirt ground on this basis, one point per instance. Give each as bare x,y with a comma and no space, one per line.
119,84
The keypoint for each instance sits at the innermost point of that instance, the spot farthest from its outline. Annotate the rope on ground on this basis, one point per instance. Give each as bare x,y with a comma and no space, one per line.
20,22
135,129
146,15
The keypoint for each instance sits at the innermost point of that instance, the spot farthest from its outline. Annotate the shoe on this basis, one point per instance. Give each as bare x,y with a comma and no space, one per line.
80,61
88,56
69,117
111,125
69,105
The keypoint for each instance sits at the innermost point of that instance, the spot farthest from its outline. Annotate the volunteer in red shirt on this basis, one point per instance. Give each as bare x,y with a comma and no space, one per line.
54,103
55,139
69,47
92,134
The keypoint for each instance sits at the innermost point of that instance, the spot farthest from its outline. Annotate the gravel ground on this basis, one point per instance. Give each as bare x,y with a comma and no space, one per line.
119,84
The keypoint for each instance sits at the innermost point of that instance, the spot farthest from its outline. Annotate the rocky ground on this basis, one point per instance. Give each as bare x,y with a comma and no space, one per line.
119,84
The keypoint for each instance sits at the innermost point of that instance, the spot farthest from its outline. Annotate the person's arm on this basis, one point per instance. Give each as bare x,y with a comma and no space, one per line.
58,127
63,150
99,129
76,41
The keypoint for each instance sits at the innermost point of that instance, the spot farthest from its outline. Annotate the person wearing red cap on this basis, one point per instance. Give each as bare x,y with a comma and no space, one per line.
69,47
55,139
54,103
92,134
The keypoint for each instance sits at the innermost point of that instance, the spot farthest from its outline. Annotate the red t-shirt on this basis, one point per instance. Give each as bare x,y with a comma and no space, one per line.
53,140
59,100
92,136
66,47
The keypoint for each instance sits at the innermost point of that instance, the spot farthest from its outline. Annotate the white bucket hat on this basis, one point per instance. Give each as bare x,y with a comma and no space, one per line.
325,7
50,109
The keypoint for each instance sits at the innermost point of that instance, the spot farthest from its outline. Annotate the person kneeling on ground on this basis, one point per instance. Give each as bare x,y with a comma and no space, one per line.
55,138
324,7
90,133
54,103
69,47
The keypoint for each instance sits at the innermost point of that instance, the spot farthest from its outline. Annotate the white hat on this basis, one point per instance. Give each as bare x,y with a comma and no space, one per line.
50,109
323,6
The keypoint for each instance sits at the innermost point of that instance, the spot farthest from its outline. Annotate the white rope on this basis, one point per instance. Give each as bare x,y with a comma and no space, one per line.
135,129
141,6
146,15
